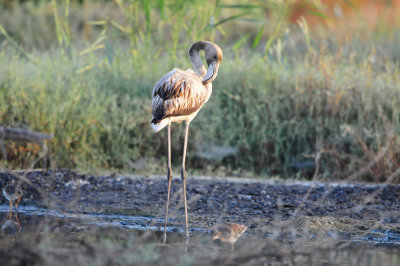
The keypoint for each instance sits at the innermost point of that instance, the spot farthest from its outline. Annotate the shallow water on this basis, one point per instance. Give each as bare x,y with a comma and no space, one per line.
287,222
30,216
115,220
374,248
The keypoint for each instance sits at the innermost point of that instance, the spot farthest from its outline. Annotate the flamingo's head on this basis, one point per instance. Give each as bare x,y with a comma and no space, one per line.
213,55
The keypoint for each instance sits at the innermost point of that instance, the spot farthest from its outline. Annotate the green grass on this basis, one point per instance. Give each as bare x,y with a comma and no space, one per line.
282,95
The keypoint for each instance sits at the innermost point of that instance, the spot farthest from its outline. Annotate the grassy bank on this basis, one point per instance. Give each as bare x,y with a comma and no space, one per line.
284,104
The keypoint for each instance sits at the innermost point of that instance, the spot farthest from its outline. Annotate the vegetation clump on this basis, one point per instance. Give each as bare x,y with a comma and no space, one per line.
300,93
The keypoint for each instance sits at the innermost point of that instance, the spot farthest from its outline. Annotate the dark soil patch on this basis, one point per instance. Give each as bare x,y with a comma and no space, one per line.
259,204
287,222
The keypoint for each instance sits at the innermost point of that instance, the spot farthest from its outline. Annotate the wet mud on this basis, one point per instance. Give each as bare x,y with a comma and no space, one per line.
362,213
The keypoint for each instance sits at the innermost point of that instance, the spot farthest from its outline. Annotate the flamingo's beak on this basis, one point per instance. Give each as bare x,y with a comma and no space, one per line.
211,72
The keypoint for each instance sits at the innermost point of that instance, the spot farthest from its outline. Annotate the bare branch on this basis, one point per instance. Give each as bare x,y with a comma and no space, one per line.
19,134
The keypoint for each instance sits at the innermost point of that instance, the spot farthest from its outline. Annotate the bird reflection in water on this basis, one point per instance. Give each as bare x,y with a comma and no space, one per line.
12,192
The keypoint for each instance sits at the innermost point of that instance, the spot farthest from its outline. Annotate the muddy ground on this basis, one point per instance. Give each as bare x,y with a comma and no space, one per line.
277,211
261,205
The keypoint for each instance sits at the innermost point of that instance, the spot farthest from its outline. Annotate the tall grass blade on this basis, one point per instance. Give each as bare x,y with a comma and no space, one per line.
146,9
320,14
161,8
63,36
258,37
242,6
222,21
302,22
240,42
15,44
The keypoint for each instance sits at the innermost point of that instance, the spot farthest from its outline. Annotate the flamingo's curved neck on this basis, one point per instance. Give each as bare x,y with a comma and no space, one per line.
197,64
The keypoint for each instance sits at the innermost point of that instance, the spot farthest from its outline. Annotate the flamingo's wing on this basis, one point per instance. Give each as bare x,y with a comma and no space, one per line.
178,93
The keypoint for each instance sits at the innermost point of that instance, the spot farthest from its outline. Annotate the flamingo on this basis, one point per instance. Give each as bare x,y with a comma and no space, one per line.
178,96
